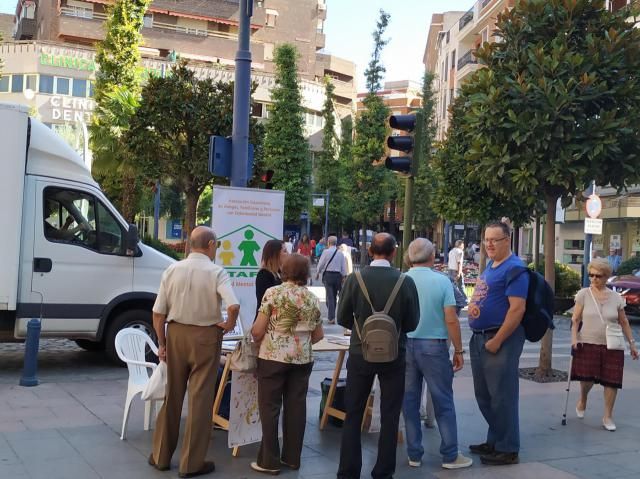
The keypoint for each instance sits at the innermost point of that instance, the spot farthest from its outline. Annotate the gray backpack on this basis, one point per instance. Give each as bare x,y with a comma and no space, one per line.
379,336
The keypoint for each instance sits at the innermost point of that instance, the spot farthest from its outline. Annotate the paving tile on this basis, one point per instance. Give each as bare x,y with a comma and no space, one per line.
51,446
589,467
61,468
13,471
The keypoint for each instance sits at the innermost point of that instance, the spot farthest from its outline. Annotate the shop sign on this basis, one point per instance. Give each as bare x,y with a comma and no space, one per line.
67,61
71,109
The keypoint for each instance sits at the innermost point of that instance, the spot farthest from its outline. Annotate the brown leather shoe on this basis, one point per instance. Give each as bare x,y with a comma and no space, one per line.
152,463
207,468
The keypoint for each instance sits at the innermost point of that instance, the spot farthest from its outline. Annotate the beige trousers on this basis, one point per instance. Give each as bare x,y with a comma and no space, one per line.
193,355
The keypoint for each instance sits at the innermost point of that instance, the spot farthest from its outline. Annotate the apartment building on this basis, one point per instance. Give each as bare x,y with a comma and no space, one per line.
50,66
449,53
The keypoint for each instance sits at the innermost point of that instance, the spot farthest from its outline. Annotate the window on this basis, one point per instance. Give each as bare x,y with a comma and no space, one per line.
453,60
17,83
268,51
79,88
320,27
46,84
4,84
270,17
256,110
574,244
484,36
572,258
91,89
148,20
70,217
62,85
446,67
31,82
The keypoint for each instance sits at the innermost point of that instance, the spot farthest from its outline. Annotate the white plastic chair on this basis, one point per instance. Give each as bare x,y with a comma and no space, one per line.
130,346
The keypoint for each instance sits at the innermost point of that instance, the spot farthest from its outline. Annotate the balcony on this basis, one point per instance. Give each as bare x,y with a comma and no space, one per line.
320,40
26,29
466,59
616,207
465,20
484,3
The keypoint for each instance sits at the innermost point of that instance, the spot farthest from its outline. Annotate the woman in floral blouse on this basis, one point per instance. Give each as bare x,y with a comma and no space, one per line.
288,324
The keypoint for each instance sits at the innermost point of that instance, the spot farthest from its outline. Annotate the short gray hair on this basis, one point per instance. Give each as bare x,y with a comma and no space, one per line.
332,240
458,243
420,250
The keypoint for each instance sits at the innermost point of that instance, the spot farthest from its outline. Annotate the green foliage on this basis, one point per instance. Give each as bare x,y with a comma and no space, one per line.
559,103
629,266
205,205
286,150
170,131
568,281
160,246
116,94
425,181
325,173
459,195
371,183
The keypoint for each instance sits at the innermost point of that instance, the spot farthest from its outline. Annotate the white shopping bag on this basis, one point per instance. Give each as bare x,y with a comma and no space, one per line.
154,390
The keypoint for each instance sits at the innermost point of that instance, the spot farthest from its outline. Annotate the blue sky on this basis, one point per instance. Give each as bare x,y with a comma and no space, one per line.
350,23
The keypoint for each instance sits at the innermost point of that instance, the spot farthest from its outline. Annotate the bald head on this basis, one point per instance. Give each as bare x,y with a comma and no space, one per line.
201,237
383,246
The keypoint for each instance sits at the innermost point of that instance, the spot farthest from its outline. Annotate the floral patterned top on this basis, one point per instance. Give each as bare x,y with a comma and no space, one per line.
293,312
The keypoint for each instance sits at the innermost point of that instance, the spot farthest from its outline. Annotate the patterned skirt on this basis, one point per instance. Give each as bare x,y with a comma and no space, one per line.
594,362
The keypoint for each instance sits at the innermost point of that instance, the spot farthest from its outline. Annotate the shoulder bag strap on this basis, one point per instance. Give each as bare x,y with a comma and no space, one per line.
394,293
597,307
363,288
330,260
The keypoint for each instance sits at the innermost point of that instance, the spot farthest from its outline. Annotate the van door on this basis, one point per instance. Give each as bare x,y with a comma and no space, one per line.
79,256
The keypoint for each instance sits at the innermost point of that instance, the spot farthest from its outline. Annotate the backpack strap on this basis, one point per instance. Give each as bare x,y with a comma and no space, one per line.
515,272
363,288
394,293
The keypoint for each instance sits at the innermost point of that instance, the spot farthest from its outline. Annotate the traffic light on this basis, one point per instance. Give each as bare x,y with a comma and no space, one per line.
406,165
266,179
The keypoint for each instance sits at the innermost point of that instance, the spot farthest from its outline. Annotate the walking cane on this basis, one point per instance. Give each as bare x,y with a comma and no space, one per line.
566,402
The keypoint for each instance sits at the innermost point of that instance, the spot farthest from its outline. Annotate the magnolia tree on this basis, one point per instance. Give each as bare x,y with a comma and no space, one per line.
557,107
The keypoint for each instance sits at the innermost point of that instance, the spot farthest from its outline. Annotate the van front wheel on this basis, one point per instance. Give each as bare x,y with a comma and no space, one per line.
135,318
89,345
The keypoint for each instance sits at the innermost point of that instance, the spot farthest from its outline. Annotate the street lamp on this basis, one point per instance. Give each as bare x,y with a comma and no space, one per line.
241,98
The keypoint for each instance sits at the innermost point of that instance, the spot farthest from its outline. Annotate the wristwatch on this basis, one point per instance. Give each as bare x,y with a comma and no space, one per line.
462,351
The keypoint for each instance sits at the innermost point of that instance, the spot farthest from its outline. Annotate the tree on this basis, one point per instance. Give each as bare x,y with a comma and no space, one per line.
286,150
118,78
371,183
170,131
557,106
424,185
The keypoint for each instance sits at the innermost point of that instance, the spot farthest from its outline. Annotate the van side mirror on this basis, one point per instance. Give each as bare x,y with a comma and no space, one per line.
132,240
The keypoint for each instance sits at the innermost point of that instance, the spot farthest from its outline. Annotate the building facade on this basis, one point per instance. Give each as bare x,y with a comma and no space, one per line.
50,66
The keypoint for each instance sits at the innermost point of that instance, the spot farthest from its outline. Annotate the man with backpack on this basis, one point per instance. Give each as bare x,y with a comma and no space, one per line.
380,306
495,315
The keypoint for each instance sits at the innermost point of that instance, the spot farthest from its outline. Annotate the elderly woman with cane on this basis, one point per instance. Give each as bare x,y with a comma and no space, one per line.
598,323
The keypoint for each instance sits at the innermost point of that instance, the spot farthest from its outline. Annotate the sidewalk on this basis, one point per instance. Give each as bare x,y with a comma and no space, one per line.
70,429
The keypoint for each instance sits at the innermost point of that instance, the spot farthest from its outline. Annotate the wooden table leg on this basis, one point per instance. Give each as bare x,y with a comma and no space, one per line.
219,420
328,407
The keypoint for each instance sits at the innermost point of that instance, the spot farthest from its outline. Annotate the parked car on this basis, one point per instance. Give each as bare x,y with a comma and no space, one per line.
629,287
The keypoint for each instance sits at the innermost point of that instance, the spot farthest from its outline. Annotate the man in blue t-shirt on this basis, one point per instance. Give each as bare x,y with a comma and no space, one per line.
427,357
495,313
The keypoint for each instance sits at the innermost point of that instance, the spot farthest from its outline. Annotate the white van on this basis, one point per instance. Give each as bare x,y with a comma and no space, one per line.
66,254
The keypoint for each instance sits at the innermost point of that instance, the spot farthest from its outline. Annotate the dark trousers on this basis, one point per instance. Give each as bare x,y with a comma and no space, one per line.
282,384
193,355
332,281
360,375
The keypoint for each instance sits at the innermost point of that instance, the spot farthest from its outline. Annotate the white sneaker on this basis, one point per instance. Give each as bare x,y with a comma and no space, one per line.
415,463
459,463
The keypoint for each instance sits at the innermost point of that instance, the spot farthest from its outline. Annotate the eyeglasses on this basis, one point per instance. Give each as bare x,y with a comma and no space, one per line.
492,241
594,275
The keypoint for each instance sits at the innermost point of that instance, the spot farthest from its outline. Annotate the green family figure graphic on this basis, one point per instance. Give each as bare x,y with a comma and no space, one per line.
248,247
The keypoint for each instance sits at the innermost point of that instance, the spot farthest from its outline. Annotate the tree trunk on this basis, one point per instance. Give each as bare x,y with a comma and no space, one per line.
128,195
546,345
483,252
536,246
190,217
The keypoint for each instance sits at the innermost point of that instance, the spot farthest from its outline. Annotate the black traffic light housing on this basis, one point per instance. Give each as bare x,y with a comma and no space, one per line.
405,165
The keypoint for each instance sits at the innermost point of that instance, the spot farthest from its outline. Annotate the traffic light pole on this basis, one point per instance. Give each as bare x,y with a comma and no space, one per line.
409,198
241,99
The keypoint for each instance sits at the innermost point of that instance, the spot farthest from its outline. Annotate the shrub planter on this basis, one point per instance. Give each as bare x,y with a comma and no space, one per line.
560,305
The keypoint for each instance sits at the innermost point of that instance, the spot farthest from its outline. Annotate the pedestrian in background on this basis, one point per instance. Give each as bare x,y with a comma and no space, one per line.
495,314
380,279
188,304
273,253
456,261
288,324
428,358
304,246
597,306
332,266
320,247
614,260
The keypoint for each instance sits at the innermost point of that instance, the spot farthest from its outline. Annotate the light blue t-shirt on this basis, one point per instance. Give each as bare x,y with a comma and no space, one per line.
435,292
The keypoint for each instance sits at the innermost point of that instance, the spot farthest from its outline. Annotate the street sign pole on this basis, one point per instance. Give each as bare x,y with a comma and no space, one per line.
588,238
408,191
